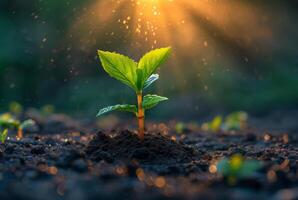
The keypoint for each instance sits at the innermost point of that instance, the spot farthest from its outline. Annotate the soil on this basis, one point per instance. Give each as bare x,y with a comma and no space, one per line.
78,165
154,149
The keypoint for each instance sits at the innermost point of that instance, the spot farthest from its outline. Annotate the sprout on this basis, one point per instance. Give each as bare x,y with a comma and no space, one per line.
233,122
3,135
180,126
237,168
214,125
138,76
7,122
27,124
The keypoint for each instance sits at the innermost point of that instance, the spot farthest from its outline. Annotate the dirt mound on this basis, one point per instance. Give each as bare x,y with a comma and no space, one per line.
154,149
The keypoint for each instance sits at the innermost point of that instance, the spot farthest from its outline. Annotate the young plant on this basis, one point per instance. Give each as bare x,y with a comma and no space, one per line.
137,76
7,122
3,135
237,168
233,122
214,125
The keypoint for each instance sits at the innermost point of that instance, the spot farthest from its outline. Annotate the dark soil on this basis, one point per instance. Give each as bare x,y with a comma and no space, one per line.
117,165
154,149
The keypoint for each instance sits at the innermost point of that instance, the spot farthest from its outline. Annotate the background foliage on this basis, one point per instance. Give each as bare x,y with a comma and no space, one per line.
43,61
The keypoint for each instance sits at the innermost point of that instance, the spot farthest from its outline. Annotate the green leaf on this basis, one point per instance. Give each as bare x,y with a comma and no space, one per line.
216,124
151,61
140,79
235,121
9,123
150,80
4,136
125,108
27,124
150,101
120,67
238,167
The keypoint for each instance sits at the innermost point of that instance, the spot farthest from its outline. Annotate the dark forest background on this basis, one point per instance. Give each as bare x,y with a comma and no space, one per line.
40,63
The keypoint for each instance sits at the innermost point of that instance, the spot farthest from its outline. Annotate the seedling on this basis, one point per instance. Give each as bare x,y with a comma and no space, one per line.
237,168
27,124
180,126
7,122
3,135
214,125
137,76
233,122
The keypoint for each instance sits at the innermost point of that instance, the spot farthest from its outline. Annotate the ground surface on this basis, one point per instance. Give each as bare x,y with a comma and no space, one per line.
64,161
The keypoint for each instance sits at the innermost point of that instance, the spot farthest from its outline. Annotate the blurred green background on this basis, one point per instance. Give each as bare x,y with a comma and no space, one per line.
47,58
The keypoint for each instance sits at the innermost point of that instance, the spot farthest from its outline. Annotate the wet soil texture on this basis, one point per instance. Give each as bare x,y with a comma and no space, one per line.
118,165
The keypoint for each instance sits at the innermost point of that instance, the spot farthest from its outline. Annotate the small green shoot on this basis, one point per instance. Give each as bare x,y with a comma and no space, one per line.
138,76
3,135
237,168
27,124
180,126
233,122
214,125
7,121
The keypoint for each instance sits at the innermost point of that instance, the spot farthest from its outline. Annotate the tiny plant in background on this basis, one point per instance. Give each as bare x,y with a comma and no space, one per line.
237,168
137,76
214,125
179,128
27,124
7,122
233,122
3,135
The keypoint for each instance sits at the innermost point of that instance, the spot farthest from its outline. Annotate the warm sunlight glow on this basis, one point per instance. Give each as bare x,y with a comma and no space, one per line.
205,30
182,23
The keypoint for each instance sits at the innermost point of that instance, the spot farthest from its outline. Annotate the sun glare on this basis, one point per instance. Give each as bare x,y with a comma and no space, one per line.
180,23
201,31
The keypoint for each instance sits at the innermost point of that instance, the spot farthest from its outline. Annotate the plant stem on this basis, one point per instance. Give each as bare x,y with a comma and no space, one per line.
141,115
20,133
